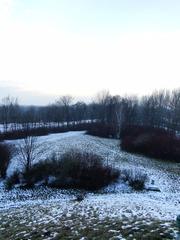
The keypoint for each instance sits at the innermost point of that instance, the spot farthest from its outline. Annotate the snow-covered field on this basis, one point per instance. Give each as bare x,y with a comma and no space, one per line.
117,210
19,126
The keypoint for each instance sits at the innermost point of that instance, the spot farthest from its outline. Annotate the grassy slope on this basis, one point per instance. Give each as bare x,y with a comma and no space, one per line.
72,220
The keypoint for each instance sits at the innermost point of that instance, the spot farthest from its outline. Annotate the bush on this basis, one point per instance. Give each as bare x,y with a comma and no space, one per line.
135,178
101,130
12,180
136,130
40,171
74,169
5,155
152,142
86,170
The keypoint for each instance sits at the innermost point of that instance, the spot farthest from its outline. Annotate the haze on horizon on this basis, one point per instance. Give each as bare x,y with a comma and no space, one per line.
50,47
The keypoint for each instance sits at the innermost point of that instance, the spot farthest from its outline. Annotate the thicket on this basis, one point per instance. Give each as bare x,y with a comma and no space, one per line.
73,170
42,131
152,142
135,178
101,129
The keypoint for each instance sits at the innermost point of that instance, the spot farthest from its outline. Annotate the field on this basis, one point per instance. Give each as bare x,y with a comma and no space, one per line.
116,212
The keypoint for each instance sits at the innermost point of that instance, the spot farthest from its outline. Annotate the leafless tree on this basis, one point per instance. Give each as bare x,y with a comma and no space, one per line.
64,103
28,151
9,111
175,109
119,116
79,112
102,100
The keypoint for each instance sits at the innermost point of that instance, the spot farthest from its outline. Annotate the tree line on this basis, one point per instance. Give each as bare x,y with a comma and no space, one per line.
161,109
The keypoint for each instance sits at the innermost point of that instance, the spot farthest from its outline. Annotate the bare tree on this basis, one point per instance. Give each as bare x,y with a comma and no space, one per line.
102,100
9,108
175,109
65,102
119,115
28,151
79,111
156,109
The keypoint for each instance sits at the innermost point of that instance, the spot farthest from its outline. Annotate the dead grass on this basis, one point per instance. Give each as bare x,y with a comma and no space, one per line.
22,224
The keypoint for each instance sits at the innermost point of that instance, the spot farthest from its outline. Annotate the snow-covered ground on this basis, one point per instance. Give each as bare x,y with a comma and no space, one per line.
116,201
18,126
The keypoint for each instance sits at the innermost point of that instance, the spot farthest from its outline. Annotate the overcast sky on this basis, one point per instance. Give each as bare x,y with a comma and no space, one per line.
79,47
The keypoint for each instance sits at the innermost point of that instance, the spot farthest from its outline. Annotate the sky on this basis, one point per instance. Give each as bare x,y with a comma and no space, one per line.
50,48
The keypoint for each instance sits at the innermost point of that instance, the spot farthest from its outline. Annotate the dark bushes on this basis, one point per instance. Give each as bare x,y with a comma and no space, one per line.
101,129
152,142
42,131
135,178
21,133
12,180
76,170
41,171
93,128
5,155
136,130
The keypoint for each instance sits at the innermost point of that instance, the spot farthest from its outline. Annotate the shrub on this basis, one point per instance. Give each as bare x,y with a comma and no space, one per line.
101,130
135,178
86,170
74,169
136,130
157,143
12,180
40,172
5,155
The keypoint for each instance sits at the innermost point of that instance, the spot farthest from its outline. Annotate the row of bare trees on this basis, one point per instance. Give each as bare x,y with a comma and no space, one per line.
160,109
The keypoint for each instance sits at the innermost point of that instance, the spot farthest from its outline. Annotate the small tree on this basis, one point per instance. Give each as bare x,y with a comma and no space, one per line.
28,150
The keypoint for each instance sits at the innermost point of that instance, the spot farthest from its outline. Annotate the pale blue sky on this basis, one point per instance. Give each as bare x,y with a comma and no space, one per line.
80,47
102,15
